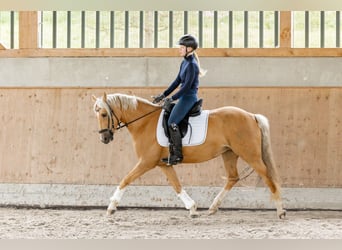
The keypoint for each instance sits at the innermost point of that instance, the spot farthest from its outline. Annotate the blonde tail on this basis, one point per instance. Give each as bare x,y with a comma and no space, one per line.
267,154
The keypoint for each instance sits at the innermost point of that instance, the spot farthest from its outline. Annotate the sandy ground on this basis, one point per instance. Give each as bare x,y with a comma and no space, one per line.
139,223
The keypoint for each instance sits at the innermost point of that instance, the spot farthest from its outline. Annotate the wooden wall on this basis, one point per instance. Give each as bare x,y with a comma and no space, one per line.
49,135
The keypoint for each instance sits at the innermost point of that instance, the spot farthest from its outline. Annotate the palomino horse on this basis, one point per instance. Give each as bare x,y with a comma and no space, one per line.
232,133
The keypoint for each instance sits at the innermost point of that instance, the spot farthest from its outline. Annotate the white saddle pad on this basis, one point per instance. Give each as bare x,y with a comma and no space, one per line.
196,134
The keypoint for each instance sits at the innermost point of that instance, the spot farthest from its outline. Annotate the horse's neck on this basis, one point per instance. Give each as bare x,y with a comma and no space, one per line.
133,114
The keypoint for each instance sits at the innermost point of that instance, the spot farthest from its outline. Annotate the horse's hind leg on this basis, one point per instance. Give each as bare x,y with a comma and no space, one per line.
273,185
189,203
230,163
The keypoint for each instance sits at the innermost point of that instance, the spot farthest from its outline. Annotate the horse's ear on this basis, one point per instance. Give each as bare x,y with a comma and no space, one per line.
104,97
94,98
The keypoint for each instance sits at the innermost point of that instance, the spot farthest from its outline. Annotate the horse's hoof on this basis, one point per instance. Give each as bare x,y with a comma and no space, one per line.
110,212
193,212
212,211
194,215
282,215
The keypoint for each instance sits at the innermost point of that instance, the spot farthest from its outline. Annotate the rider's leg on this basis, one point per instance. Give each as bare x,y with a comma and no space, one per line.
180,110
176,154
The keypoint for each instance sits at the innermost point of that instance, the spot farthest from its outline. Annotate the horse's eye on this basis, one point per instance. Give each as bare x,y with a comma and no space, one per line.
104,115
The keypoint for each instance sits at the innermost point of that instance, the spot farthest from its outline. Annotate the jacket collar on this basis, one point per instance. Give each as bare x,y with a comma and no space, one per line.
189,57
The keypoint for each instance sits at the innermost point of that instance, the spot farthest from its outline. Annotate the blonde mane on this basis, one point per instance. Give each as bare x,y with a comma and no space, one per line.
121,101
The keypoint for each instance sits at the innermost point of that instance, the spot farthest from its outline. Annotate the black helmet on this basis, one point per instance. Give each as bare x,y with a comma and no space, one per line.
188,41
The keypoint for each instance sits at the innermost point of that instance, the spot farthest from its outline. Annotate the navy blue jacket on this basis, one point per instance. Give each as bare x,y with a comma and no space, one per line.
187,77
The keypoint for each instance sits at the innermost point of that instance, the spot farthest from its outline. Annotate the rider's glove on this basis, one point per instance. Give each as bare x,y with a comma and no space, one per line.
158,98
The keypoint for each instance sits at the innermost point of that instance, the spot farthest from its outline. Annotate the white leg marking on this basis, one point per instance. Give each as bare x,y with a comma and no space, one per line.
280,211
217,201
115,199
188,202
117,196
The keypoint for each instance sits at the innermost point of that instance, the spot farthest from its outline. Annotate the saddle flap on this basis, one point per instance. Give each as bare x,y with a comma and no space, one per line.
196,109
197,130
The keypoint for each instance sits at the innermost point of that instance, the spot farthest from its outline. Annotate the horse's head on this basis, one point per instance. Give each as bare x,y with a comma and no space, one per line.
117,111
104,115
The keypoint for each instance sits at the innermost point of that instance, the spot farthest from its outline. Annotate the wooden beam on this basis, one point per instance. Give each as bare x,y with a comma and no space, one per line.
285,29
28,29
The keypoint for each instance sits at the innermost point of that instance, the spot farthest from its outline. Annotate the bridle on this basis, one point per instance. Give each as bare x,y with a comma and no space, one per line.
110,127
120,124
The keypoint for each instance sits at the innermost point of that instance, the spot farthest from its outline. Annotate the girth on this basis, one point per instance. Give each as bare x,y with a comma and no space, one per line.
184,124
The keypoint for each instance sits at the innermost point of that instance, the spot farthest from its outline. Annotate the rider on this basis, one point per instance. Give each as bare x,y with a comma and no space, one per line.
187,77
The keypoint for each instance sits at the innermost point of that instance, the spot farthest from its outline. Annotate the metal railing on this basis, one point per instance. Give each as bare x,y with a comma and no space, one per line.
158,29
317,29
9,29
161,29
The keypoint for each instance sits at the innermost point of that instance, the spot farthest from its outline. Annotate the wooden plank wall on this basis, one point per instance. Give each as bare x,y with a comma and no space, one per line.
49,135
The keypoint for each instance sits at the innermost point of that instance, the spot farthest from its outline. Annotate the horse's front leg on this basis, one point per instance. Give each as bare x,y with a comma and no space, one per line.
115,200
135,173
181,193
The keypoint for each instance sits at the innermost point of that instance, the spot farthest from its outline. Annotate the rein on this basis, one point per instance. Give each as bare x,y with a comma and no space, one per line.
120,123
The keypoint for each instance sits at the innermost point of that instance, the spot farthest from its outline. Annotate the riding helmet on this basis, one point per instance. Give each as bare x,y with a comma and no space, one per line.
188,41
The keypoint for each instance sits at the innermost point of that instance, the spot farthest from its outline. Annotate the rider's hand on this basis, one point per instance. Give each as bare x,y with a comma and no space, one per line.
158,98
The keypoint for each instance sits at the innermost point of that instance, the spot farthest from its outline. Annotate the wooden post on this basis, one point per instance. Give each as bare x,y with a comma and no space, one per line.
285,29
28,29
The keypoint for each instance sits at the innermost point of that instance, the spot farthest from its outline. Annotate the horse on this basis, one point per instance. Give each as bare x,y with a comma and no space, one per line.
232,133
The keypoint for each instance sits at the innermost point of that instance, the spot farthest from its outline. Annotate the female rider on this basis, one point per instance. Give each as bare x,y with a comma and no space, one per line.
188,79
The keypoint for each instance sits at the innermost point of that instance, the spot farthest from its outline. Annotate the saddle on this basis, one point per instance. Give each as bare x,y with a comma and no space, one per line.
184,124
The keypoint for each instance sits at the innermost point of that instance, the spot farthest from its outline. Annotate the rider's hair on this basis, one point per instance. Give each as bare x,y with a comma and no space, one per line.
202,72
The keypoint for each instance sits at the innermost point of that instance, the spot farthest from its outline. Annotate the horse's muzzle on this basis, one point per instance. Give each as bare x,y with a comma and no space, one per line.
106,135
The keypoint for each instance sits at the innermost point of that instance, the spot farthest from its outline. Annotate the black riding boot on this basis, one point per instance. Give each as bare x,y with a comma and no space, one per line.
175,148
